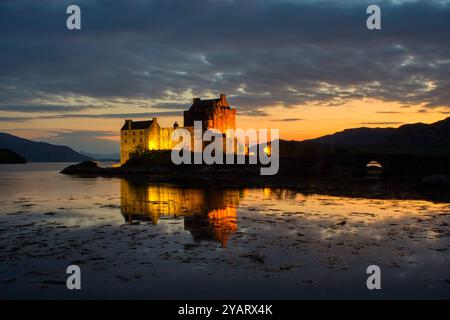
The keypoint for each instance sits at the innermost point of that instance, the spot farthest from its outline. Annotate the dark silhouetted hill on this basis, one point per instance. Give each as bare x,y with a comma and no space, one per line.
415,139
39,151
8,156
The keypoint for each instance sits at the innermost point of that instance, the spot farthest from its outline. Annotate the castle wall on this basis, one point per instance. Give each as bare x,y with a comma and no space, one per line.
213,113
223,119
130,140
165,139
154,137
212,118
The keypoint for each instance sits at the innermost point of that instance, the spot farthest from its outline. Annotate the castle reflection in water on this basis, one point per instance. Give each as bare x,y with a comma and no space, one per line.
208,214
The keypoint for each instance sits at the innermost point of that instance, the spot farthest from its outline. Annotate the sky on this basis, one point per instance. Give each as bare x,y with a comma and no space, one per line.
308,68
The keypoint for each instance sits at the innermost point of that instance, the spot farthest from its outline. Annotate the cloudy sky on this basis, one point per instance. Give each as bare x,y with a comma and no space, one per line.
306,67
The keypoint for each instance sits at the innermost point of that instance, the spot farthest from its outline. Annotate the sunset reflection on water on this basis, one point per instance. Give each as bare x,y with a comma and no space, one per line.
141,237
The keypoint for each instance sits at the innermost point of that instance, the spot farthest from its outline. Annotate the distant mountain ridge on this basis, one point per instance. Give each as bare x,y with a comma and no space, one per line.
40,151
415,139
418,138
114,156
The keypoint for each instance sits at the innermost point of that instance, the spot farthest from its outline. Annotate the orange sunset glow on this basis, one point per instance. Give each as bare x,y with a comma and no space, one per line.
295,123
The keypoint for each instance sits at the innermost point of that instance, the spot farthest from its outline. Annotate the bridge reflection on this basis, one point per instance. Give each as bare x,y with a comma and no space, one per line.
208,214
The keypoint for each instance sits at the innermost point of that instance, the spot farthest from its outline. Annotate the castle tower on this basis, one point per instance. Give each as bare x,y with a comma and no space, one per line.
213,113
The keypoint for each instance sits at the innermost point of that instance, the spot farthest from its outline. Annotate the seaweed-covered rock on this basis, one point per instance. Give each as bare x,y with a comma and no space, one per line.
437,181
85,167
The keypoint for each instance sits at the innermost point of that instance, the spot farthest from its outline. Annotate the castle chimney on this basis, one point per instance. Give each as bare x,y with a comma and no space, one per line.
175,125
195,100
128,123
222,103
155,119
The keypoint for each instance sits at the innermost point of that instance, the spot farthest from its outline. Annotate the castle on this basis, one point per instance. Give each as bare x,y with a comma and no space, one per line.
149,135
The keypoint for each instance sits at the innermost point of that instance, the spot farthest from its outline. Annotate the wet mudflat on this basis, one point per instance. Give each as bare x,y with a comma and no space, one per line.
137,240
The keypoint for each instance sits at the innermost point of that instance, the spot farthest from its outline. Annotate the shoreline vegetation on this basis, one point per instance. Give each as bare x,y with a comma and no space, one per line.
403,177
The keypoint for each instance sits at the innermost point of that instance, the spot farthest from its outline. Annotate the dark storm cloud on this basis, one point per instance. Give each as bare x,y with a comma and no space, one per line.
260,53
58,134
14,119
96,116
118,115
388,112
381,123
43,108
288,120
171,106
253,112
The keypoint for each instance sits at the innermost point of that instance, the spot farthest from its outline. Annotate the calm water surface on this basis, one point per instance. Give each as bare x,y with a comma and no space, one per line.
137,240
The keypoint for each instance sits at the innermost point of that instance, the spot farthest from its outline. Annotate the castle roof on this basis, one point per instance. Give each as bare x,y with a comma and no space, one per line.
199,104
136,125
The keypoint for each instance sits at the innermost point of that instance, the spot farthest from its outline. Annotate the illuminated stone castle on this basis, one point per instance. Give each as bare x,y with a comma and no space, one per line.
149,135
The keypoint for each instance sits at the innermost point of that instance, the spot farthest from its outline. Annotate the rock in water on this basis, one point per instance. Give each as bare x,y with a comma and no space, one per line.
437,182
85,167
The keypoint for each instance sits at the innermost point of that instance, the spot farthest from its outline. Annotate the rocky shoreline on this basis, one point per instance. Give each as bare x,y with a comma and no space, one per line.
435,187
